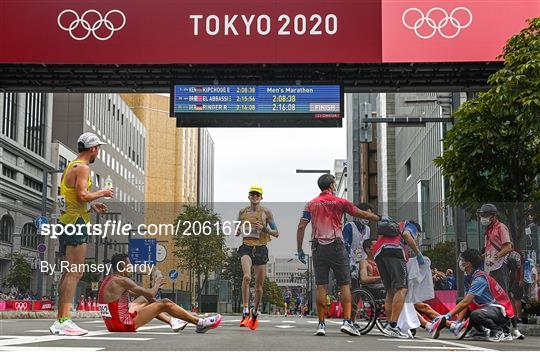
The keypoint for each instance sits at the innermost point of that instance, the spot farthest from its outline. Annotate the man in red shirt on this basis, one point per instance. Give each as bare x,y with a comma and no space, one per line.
325,213
497,245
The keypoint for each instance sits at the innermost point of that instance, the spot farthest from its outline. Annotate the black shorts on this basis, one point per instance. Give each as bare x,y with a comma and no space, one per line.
392,268
331,256
258,254
79,237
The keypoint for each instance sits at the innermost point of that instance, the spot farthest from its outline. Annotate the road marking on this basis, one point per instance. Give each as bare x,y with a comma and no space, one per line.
284,326
289,321
438,348
456,344
410,340
52,349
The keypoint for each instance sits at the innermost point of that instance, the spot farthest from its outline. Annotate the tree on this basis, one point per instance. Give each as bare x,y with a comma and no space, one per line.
272,293
232,272
442,256
492,154
200,244
19,274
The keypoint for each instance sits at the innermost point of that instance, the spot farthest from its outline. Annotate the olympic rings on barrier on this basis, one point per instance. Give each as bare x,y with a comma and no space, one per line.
448,20
85,24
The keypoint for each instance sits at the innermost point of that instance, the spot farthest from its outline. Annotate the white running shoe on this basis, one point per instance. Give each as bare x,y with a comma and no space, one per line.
206,324
516,335
178,324
67,328
395,332
321,330
349,329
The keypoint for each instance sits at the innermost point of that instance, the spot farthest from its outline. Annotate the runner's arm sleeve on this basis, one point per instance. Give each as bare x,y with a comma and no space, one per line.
273,231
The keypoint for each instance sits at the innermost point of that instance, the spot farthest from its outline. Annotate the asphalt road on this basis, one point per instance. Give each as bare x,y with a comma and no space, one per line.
274,333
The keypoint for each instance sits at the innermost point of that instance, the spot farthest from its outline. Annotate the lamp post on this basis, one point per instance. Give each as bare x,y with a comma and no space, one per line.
44,189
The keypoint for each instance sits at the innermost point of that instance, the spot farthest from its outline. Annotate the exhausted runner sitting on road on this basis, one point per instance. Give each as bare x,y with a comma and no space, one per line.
121,316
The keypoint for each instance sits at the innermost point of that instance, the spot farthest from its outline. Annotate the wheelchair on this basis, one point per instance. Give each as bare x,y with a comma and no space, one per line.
369,310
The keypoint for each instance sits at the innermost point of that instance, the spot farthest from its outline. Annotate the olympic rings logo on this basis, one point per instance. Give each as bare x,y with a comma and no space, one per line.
90,29
447,19
21,305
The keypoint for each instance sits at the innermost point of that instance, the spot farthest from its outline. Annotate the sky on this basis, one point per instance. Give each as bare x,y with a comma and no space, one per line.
269,157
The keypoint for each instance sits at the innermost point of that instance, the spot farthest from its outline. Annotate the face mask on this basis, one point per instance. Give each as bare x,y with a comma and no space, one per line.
485,221
364,222
461,265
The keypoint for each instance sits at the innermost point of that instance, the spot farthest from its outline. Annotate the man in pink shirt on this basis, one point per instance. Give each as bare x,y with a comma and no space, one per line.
497,245
325,213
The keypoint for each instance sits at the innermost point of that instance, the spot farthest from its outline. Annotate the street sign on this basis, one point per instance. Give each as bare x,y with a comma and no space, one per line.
42,247
161,253
173,274
142,251
40,221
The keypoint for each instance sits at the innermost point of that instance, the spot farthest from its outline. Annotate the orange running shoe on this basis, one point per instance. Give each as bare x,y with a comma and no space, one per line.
253,321
245,320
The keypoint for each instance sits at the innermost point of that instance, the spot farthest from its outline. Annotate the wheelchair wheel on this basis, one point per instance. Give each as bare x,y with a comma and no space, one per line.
366,309
381,320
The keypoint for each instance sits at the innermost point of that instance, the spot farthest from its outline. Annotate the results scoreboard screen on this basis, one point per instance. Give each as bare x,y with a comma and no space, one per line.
257,102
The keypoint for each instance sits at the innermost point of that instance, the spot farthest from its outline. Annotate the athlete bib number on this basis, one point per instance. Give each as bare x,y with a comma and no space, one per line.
61,203
104,310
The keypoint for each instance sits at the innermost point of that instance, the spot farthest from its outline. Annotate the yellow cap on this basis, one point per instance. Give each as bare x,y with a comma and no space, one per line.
257,189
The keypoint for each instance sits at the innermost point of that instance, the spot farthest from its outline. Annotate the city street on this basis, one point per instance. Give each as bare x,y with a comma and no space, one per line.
274,333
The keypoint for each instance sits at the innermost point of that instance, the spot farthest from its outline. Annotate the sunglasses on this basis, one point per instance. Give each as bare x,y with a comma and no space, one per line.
254,194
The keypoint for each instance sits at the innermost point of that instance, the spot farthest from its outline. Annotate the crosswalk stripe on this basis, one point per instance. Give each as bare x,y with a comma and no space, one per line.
284,326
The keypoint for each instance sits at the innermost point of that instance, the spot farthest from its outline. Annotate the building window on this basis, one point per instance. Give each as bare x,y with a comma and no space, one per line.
29,236
6,228
9,116
29,182
62,163
34,123
408,168
424,210
9,172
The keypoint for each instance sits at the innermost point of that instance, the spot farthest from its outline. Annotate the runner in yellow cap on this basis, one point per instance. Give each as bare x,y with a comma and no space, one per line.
253,251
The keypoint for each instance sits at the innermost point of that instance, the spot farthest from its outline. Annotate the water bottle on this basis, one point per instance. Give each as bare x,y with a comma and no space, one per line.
108,184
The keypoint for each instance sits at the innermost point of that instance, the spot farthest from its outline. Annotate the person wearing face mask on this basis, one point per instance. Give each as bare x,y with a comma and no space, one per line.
74,205
325,212
488,305
497,245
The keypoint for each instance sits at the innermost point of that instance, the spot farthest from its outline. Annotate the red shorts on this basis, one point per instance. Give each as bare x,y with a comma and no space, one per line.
118,326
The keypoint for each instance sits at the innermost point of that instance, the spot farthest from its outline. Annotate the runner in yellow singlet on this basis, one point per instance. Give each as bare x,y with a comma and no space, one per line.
74,203
253,251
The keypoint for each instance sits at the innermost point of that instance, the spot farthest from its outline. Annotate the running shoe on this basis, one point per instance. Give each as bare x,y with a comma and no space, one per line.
348,328
178,324
68,328
253,321
357,326
395,332
496,336
208,323
321,330
508,337
478,335
437,327
461,328
245,320
516,335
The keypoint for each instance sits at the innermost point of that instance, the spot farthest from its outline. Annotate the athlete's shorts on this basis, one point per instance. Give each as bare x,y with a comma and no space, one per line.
392,268
115,325
331,256
75,239
258,254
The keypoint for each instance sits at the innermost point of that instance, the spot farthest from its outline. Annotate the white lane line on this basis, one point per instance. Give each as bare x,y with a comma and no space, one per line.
456,344
437,348
289,321
21,340
284,326
52,349
44,330
409,340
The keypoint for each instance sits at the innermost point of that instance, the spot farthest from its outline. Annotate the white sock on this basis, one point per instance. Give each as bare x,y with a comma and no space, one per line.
246,310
